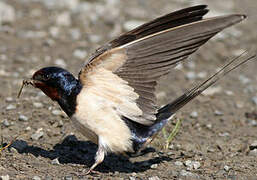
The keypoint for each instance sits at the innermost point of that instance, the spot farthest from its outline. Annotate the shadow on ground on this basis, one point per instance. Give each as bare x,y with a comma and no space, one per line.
73,151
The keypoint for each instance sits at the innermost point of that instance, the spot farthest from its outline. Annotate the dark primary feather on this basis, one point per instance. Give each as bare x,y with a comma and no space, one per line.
167,21
152,49
154,56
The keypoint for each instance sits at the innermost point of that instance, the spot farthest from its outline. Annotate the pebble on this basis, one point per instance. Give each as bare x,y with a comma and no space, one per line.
254,100
63,19
38,105
54,31
9,99
28,128
252,122
68,177
243,79
36,178
23,118
57,112
10,107
253,152
178,163
202,75
191,75
75,34
63,4
218,113
194,114
6,177
154,178
129,25
80,54
55,161
192,164
6,123
225,134
253,145
38,134
60,62
227,168
7,13
95,38
154,166
212,90
188,174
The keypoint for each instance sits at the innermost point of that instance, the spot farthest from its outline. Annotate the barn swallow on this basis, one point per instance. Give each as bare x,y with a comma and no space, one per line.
113,102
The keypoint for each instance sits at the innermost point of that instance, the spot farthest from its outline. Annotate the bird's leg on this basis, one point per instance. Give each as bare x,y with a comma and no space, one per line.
99,157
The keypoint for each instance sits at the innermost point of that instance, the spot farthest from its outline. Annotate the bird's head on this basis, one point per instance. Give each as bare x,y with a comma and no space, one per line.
55,82
58,84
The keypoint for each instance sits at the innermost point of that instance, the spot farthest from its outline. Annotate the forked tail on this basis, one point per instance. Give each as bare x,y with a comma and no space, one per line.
165,113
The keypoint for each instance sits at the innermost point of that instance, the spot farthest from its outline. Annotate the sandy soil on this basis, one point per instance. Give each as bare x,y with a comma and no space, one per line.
216,139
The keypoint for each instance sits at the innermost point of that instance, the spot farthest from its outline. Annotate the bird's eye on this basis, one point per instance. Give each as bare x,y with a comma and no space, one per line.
46,77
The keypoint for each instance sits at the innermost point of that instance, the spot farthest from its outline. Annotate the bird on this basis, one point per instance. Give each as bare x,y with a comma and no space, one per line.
112,102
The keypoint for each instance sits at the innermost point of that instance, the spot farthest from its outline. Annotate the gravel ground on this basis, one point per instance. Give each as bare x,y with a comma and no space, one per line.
217,139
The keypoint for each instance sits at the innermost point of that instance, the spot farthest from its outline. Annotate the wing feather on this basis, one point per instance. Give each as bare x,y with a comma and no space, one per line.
130,66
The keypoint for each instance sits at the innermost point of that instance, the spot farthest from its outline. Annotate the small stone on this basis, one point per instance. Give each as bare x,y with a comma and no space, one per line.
218,113
63,19
132,178
10,107
252,122
253,152
68,177
129,25
28,128
154,178
212,90
254,100
75,34
6,177
209,126
48,177
57,112
178,163
154,166
38,105
253,145
6,123
7,13
189,164
37,135
191,75
54,31
36,178
190,64
95,38
227,168
194,114
229,93
244,80
239,104
225,134
9,99
60,62
23,118
196,164
55,161
188,174
80,54
202,75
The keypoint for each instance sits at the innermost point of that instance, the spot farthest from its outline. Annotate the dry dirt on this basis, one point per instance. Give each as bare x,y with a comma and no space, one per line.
218,130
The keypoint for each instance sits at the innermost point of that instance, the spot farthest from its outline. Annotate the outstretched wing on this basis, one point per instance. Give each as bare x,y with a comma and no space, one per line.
124,73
